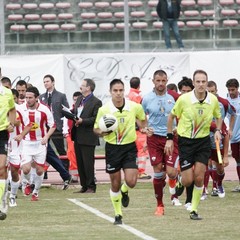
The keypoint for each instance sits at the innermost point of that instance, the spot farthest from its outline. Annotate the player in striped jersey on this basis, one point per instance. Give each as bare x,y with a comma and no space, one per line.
34,146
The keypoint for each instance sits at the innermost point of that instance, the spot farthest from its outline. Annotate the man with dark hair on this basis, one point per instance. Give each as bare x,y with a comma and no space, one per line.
120,148
55,99
157,105
185,85
85,140
234,99
194,111
21,87
34,148
142,156
169,12
6,82
172,86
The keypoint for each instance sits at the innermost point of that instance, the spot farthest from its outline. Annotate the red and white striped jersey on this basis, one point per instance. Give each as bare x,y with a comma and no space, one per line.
40,118
14,145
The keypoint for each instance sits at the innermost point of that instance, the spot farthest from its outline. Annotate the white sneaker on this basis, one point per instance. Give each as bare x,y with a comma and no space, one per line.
203,197
221,192
236,189
188,206
12,202
176,202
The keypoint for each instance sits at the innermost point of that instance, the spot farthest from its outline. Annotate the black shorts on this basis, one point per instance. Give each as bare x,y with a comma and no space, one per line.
120,157
3,142
193,150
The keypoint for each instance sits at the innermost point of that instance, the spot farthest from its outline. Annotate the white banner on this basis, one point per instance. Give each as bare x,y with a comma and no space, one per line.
69,70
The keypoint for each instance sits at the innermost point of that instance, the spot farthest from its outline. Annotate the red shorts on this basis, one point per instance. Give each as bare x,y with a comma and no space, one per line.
156,146
235,147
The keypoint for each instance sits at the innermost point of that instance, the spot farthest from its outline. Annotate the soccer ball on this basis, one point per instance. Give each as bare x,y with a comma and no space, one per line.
108,122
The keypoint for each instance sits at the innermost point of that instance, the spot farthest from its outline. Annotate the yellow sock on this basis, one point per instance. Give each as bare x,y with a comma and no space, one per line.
116,202
124,187
196,195
2,188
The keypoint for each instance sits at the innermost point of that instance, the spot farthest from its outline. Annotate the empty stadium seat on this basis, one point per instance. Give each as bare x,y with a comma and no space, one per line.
191,13
51,27
68,27
89,27
18,28
207,13
188,3
119,14
204,3
139,26
137,14
121,25
117,4
135,4
193,24
32,17
158,25
154,14
102,4
228,12
15,17
65,16
153,3
49,16
88,16
230,24
106,26
63,5
34,27
30,6
226,2
210,24
13,6
104,15
85,5
46,5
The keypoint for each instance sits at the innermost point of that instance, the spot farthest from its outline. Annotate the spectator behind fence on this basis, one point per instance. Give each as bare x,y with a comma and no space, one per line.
169,11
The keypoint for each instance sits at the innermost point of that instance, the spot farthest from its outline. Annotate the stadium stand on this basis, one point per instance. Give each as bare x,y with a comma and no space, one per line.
63,24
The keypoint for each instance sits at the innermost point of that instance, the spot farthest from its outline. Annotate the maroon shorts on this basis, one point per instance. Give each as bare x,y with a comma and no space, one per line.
156,146
214,156
235,147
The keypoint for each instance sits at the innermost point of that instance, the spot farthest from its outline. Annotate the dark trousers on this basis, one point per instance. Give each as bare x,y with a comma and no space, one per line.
58,141
85,163
56,163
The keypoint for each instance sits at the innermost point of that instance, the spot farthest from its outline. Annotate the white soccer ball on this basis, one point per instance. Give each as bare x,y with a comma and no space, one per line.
108,122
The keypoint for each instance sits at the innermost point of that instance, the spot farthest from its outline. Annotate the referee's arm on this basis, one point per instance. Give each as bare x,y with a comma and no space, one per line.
169,146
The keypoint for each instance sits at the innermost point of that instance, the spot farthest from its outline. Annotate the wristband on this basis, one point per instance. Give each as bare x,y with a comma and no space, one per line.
169,136
217,129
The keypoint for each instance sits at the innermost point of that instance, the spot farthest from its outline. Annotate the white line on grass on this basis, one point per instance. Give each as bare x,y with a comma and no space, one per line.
110,219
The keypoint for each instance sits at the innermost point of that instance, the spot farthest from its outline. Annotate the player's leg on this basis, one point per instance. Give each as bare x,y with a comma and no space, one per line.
39,160
26,168
14,168
3,174
116,196
235,147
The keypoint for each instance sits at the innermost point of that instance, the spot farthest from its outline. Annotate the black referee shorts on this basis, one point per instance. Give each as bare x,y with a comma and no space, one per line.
120,157
3,142
193,150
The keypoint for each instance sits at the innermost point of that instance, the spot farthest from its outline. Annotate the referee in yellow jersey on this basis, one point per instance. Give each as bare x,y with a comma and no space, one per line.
194,111
7,121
